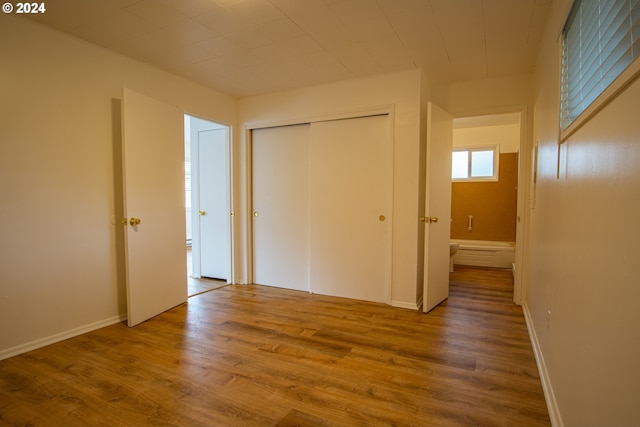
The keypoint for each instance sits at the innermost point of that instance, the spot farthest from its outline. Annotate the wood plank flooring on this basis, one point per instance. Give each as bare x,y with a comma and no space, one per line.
197,286
261,356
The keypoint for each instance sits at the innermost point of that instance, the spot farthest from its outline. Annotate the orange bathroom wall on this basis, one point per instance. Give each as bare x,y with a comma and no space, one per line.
491,203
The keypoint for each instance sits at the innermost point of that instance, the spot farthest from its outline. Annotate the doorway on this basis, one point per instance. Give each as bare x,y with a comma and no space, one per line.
207,204
485,203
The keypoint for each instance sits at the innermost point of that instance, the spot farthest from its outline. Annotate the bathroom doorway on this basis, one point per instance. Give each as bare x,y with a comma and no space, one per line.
207,204
485,199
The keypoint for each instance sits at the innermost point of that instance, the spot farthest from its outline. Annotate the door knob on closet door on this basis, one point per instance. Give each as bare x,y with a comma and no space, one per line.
202,213
134,221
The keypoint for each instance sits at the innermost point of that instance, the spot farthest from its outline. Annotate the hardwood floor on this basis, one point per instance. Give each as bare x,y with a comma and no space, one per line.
261,356
197,286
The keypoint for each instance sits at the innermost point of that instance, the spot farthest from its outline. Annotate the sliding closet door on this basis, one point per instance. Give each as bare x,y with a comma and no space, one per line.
280,159
350,186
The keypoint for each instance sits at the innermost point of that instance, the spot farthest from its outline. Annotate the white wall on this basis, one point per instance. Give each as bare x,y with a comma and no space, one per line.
401,91
482,97
506,136
584,252
60,270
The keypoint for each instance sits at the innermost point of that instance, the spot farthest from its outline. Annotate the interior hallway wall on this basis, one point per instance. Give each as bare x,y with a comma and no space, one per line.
490,96
583,294
60,270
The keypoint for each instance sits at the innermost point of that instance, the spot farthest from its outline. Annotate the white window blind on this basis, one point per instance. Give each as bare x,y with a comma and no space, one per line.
601,39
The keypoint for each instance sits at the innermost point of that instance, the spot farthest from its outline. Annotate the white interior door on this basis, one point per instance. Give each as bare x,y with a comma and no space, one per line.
281,206
213,203
350,215
153,157
437,206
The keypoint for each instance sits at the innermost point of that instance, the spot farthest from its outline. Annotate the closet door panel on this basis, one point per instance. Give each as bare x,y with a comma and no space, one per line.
350,180
280,159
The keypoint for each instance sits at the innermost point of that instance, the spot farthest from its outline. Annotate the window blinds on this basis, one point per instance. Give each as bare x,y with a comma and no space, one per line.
600,39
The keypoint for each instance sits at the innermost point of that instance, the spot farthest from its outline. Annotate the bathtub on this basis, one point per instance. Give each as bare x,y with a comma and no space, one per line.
482,253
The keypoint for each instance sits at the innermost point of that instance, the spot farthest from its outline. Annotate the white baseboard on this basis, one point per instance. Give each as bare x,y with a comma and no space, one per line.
410,306
552,404
42,342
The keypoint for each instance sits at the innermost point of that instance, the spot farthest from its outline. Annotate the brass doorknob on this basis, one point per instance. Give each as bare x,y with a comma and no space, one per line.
202,213
134,221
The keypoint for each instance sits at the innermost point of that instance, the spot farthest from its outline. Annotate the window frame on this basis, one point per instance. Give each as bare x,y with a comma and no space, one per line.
496,162
618,85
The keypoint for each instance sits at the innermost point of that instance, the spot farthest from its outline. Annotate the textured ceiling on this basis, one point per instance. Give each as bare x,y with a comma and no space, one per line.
248,47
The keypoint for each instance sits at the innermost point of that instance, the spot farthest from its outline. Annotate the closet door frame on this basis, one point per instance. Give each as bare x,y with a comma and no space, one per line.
388,110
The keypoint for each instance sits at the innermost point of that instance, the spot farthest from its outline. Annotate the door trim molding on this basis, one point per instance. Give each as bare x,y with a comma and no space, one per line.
350,114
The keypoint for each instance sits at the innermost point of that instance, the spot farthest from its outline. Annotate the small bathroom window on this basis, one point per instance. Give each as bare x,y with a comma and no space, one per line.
475,164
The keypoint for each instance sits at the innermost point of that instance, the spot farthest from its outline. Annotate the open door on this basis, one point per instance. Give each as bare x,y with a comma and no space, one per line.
213,204
153,168
211,235
437,206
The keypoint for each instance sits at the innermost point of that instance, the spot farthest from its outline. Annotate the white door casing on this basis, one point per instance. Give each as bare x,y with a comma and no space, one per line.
437,205
153,169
